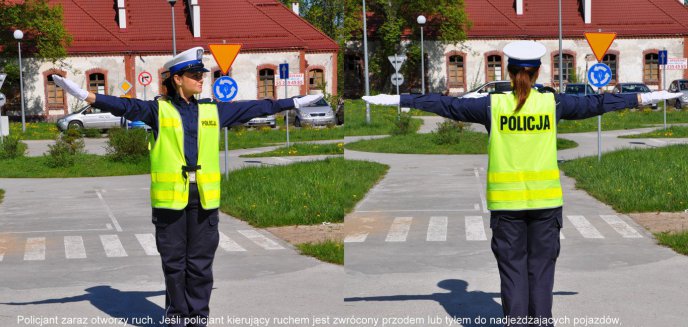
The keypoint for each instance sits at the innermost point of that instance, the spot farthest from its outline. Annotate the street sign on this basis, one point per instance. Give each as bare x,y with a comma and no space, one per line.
224,55
600,43
3,99
599,75
295,79
145,78
663,56
125,86
397,61
397,79
225,89
283,70
2,79
677,63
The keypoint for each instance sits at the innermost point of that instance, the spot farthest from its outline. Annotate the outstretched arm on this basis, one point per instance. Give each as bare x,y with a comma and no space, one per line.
468,110
574,107
235,113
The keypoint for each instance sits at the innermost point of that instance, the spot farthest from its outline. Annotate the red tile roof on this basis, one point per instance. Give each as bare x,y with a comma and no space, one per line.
257,24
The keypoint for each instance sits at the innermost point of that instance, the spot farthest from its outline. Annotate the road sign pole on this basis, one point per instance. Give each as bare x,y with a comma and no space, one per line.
286,119
226,154
665,103
399,104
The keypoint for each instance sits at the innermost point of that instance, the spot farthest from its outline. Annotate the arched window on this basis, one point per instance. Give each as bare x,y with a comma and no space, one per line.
568,68
96,83
494,68
611,61
651,68
266,83
455,71
54,94
316,79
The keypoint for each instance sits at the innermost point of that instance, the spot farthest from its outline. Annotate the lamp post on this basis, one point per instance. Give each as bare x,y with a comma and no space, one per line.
174,33
561,66
365,61
19,35
421,22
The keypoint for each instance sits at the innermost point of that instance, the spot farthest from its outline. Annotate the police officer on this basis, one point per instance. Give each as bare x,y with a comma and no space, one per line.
523,190
185,174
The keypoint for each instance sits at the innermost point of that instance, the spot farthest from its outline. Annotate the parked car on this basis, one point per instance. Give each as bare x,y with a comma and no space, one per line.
268,120
317,114
500,87
679,85
578,89
138,124
632,88
89,117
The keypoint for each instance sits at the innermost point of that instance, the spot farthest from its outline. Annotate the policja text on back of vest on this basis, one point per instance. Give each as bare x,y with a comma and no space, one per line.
524,123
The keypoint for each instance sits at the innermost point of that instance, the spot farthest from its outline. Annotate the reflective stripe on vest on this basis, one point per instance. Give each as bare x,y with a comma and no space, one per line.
522,166
169,189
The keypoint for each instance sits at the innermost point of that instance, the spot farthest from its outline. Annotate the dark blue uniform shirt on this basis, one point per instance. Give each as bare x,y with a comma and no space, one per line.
230,113
570,107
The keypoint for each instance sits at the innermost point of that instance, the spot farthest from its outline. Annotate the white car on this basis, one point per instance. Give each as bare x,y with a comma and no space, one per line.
89,117
487,88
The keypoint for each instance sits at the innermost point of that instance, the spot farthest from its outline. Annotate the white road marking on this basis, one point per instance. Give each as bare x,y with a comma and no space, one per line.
481,190
260,239
356,237
57,231
109,212
399,229
437,229
621,226
147,242
109,226
112,246
584,227
74,247
476,207
475,229
228,244
35,249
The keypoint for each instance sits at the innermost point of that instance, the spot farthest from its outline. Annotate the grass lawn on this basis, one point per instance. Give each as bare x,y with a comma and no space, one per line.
244,138
2,195
670,132
35,131
677,241
624,119
471,143
328,251
303,149
381,119
302,193
647,180
86,165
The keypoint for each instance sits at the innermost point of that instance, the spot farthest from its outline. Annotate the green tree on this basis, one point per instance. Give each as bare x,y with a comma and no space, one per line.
45,37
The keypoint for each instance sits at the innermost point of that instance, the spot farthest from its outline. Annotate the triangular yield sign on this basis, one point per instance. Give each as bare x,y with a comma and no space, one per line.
224,55
600,43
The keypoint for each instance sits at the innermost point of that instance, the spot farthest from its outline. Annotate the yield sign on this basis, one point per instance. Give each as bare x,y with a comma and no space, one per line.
397,61
600,43
224,55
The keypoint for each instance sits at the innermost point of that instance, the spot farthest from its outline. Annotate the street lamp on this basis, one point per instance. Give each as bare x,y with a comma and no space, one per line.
421,22
365,61
19,35
174,33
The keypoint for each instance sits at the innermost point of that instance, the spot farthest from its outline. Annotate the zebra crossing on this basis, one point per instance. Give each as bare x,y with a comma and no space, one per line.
42,248
476,228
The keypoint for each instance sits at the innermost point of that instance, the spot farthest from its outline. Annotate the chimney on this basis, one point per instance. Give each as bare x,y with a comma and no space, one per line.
295,7
195,10
587,11
519,7
121,14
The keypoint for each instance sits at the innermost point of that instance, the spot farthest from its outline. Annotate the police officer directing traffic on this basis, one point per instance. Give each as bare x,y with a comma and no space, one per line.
524,193
185,174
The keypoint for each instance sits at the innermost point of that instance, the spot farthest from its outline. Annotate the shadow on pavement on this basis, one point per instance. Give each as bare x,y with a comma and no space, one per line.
133,306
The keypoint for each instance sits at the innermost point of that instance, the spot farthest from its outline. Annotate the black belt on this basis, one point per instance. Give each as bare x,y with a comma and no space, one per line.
189,172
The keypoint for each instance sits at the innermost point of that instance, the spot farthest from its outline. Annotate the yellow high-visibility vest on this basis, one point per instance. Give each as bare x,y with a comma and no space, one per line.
169,188
522,166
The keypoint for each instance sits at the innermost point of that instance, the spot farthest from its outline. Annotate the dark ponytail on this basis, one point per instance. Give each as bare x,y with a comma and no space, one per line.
522,79
170,89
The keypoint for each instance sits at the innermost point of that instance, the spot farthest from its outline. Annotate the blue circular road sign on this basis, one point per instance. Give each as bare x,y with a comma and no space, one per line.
225,89
599,75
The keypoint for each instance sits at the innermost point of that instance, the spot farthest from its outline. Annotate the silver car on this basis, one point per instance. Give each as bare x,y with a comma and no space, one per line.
317,114
89,117
268,120
679,85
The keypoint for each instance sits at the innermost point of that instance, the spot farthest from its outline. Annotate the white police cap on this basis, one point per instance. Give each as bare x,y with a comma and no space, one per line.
525,53
188,61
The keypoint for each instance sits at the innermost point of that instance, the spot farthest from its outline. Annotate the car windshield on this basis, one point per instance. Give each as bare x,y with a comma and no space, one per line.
575,89
634,88
320,103
683,85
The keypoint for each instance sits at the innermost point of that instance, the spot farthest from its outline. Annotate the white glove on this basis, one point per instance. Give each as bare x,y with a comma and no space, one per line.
70,87
656,96
383,99
307,100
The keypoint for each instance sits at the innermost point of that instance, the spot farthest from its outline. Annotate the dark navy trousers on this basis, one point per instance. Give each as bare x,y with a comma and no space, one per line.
526,246
186,240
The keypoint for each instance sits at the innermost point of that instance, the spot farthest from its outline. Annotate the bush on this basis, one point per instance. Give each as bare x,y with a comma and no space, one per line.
127,145
448,132
66,147
91,132
12,147
402,125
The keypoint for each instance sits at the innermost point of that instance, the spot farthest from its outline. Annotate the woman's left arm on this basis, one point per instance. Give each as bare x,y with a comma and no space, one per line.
574,107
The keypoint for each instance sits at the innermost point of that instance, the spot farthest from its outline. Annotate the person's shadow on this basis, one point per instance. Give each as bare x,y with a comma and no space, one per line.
461,305
133,306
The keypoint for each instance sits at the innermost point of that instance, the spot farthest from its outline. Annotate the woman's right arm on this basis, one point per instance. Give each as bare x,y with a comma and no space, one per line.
467,110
